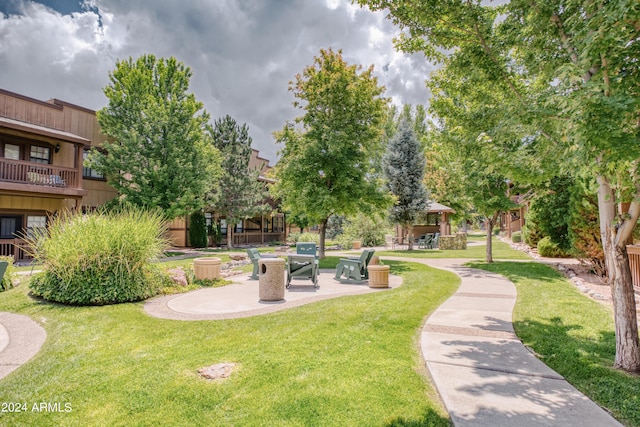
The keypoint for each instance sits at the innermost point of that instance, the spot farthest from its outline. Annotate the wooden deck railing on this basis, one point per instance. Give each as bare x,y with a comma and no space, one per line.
255,238
634,264
14,248
38,174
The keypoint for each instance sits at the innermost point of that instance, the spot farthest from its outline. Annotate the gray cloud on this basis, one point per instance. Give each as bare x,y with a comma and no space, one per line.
242,53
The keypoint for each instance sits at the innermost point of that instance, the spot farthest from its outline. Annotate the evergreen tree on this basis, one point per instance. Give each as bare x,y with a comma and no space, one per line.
403,165
239,194
198,230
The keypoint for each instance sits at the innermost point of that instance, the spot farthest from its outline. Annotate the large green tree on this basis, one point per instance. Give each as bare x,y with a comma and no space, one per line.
403,164
326,163
157,154
567,68
238,194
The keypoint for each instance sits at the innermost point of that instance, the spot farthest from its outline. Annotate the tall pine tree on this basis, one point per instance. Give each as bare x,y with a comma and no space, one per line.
403,165
239,194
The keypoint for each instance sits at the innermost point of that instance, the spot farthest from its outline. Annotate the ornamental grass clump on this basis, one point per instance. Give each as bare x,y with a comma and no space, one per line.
100,258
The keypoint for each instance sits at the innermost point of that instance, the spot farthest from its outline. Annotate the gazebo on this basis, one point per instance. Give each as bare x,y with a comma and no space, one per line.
437,221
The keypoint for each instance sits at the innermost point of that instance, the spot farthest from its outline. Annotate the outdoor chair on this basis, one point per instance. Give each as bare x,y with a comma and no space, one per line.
3,269
434,241
254,256
308,248
422,242
302,266
389,241
356,267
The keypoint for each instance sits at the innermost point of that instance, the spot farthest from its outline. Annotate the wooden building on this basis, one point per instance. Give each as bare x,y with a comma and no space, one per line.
436,221
42,148
253,231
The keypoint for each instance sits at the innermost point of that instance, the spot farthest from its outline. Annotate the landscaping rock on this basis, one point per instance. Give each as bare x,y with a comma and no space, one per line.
217,371
179,276
238,257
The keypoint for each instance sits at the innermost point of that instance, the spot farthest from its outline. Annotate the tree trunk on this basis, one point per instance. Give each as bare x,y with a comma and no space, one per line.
410,237
489,250
323,233
615,234
230,236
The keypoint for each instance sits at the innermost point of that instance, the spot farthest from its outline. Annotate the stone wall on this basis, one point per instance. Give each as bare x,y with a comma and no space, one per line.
453,242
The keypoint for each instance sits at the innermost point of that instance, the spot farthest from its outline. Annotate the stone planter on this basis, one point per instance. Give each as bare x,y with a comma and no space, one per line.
206,268
357,244
378,276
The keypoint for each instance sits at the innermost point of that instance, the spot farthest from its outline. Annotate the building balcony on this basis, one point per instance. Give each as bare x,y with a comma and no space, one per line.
29,177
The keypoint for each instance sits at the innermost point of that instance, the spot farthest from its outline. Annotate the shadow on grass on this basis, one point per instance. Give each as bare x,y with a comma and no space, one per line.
430,418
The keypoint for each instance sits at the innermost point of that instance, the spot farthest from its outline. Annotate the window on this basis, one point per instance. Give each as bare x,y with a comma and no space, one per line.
278,224
223,227
12,152
35,222
88,172
39,154
239,227
9,226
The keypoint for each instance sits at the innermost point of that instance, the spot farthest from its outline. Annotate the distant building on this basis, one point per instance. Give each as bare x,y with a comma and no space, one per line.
42,148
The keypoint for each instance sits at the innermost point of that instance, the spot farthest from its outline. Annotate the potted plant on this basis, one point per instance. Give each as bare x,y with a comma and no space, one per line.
378,273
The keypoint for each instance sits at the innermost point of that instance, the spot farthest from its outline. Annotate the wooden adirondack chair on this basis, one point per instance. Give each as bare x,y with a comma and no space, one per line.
302,266
355,268
434,242
308,248
3,269
254,256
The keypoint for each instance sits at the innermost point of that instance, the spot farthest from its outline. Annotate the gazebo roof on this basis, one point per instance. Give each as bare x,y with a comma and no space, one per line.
435,207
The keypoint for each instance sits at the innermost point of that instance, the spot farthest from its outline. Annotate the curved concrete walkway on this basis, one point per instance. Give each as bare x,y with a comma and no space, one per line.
20,339
482,371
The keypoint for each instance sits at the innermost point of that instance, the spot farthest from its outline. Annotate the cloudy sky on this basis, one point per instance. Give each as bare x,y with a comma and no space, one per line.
243,53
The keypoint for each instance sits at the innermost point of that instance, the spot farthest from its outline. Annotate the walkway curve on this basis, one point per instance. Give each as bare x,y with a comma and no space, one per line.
20,339
482,371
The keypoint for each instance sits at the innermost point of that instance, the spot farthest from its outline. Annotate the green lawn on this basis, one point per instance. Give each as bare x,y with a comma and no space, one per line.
572,334
501,251
348,361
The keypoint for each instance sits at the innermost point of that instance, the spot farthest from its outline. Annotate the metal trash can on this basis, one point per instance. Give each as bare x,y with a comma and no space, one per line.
271,279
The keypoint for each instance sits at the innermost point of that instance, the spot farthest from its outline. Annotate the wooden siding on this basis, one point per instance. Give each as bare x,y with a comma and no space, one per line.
54,114
99,193
24,203
32,111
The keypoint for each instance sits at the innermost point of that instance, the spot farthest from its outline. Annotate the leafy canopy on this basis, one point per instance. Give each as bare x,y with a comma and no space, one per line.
326,164
157,154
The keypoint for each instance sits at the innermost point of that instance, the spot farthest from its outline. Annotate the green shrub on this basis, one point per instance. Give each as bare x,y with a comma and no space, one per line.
309,237
198,230
516,237
9,275
293,237
101,258
547,248
531,234
584,227
369,230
